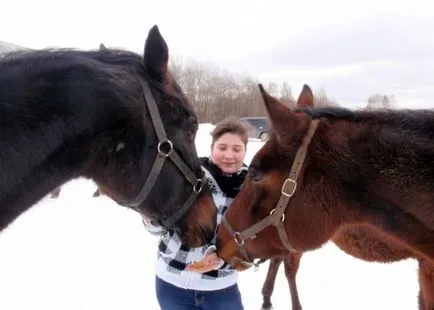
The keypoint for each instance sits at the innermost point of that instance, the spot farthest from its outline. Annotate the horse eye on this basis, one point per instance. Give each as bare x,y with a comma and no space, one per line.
194,126
256,175
191,134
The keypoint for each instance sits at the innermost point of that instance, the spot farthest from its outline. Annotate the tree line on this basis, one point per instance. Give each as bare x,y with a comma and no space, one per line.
216,94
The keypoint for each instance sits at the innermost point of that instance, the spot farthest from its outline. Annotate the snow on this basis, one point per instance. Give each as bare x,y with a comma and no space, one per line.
85,253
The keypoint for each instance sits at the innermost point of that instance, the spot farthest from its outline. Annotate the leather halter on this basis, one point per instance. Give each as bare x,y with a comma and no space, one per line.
276,217
165,150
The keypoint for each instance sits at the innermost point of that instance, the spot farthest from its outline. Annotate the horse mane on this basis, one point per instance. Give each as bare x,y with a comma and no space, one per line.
421,121
36,69
117,59
110,56
36,61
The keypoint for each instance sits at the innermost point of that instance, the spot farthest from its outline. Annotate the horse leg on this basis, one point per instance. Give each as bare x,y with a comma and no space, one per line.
291,263
268,287
426,283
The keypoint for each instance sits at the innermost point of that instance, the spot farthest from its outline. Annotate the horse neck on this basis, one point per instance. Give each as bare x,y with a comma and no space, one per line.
370,186
45,141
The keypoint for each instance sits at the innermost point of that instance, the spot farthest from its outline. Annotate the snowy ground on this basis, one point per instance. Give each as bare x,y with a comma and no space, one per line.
84,253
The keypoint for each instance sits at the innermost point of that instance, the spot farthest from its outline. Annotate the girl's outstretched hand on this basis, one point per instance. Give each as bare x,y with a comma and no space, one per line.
209,262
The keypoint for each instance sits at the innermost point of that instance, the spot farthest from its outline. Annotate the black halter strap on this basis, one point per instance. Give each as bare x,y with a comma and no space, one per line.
165,150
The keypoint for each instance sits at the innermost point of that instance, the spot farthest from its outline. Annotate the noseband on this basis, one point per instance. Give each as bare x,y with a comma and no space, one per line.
165,150
276,217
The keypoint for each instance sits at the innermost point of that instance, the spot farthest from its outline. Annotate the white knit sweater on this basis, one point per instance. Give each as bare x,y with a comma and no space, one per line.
173,257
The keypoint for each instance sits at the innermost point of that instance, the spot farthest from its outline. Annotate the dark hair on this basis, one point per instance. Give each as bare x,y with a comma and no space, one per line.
229,125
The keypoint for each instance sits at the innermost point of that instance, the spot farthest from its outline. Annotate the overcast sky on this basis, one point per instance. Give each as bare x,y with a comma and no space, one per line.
351,49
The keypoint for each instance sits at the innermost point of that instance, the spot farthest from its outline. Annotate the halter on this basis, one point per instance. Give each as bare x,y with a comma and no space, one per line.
276,217
163,144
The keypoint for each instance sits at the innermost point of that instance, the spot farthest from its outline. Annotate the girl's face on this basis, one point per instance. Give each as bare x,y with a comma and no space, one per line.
228,153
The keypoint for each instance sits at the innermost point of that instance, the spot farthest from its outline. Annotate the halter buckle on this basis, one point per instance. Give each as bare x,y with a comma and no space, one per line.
289,187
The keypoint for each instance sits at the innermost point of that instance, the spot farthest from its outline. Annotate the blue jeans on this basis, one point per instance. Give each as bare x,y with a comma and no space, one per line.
171,297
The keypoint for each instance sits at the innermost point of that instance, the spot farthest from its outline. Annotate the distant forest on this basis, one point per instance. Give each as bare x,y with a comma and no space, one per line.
217,94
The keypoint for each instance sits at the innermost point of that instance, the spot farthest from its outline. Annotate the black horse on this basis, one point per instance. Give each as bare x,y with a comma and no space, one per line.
109,115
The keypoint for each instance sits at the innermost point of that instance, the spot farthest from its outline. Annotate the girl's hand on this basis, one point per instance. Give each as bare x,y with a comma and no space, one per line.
208,263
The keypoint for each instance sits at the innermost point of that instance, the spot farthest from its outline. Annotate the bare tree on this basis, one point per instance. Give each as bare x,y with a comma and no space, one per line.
216,94
380,101
322,100
273,90
286,95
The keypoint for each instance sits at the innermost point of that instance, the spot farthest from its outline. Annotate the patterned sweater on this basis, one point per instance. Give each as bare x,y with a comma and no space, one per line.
173,256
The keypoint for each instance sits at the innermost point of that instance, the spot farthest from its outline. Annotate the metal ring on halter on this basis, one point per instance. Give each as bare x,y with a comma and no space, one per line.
237,238
282,219
256,265
160,152
197,188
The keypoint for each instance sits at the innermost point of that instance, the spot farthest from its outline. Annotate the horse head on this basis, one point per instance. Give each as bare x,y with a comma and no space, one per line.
249,227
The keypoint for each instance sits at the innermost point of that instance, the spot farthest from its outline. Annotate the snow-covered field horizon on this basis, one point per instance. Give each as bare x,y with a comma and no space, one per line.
83,253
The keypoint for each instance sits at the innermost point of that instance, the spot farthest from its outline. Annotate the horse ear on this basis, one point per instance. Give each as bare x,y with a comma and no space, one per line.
156,55
277,112
305,99
102,47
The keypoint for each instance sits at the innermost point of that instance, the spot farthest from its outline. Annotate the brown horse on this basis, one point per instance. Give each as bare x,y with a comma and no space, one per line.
345,168
362,242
